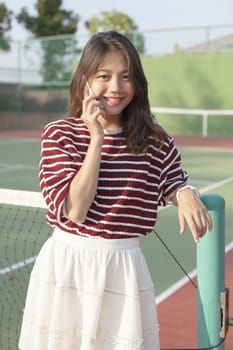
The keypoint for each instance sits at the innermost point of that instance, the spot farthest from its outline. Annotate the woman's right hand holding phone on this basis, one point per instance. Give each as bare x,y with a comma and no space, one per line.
83,187
91,111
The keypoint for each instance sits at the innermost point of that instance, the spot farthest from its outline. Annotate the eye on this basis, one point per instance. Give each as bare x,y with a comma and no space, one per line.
126,76
103,76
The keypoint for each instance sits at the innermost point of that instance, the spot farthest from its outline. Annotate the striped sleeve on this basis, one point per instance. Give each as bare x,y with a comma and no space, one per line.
59,163
172,175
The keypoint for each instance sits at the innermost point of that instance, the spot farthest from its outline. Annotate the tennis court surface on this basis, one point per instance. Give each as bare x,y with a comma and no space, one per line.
209,162
178,311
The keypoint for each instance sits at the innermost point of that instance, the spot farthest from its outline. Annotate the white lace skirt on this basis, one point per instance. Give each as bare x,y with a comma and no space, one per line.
90,294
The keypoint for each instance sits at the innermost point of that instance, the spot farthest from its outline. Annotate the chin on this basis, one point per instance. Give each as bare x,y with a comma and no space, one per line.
113,112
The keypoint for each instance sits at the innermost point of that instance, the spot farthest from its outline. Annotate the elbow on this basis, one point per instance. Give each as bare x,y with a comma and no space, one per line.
77,218
75,213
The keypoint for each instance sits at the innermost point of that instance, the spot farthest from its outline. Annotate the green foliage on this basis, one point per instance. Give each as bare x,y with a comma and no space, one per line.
137,39
112,20
52,20
117,21
58,54
5,26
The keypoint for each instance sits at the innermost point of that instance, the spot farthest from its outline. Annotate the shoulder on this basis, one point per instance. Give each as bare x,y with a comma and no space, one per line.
166,152
170,151
164,145
64,127
168,142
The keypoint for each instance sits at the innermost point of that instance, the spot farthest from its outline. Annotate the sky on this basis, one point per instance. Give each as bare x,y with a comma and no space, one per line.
147,14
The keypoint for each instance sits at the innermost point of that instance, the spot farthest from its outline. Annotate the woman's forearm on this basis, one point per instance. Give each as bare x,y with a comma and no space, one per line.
83,186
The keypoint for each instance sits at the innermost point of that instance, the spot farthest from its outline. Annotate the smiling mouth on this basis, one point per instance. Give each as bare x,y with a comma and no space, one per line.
113,101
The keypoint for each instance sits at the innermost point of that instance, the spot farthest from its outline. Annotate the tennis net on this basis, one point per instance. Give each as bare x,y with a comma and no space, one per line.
23,230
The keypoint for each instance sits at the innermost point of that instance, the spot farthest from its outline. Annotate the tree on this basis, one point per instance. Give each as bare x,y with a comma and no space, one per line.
5,26
52,20
118,21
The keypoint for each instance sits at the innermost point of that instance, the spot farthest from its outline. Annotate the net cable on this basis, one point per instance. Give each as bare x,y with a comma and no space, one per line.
23,231
194,285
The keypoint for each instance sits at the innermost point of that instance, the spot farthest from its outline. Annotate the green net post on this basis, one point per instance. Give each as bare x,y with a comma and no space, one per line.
211,276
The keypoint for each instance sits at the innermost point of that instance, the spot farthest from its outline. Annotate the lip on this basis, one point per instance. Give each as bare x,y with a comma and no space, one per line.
113,101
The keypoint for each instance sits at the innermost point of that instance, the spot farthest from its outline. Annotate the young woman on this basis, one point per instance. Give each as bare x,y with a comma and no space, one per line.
103,173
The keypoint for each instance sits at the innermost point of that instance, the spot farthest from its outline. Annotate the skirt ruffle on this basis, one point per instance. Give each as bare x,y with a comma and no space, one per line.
90,294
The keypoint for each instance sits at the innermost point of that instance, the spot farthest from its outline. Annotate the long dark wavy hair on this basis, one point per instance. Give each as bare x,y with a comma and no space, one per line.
139,125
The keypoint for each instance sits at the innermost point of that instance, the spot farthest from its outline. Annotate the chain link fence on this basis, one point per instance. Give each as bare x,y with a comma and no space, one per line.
35,73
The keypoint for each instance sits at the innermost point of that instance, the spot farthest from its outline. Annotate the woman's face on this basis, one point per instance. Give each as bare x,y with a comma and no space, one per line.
112,85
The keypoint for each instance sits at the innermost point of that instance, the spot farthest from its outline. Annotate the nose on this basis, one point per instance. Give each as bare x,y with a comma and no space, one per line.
115,84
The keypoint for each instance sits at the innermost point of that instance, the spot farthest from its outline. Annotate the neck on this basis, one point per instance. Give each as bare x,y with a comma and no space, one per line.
111,123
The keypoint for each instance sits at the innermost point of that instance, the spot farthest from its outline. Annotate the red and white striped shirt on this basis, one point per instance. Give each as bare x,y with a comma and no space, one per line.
130,186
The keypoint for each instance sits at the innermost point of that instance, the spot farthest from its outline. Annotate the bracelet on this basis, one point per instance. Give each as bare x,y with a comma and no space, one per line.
183,188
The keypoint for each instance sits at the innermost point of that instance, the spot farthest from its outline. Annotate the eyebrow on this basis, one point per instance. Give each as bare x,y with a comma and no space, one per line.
109,70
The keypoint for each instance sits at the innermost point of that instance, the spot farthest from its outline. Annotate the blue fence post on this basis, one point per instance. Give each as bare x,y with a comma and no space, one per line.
211,275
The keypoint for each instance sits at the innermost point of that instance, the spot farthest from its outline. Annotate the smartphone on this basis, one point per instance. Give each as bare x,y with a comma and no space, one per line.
89,89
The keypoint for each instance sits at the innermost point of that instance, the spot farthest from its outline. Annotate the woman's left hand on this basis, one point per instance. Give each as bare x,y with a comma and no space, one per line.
193,212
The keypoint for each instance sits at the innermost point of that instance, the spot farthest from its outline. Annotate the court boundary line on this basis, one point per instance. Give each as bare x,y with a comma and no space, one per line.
7,167
183,281
159,299
216,184
18,265
169,291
